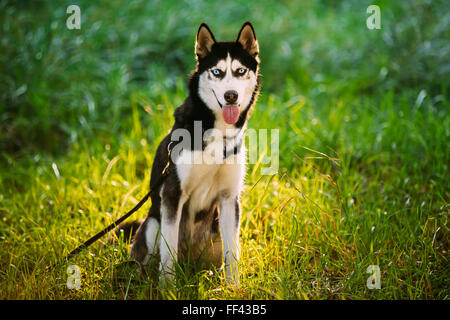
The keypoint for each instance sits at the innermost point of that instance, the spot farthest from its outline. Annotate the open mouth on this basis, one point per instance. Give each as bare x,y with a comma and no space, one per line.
230,112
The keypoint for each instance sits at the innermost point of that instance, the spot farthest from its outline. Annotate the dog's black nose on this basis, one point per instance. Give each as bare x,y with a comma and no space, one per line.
231,96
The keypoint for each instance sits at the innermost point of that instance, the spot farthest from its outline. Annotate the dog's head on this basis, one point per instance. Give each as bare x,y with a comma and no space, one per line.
228,79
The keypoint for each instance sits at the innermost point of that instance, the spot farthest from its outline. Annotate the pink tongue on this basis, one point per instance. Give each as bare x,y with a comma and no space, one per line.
230,114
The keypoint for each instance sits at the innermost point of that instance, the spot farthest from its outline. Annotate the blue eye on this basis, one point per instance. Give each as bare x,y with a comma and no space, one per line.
216,72
241,71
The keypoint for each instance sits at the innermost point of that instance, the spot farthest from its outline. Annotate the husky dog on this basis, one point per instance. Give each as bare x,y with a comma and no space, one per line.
196,211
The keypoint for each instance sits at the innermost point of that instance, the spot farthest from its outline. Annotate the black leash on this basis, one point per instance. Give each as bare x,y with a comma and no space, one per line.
113,225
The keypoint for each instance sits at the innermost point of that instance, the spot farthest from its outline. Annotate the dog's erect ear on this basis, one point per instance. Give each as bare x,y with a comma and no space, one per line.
247,38
204,41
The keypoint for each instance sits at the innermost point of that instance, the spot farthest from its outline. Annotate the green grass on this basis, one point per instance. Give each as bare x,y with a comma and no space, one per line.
364,130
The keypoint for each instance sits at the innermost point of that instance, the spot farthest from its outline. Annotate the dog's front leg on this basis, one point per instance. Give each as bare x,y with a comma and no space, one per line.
170,226
229,220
